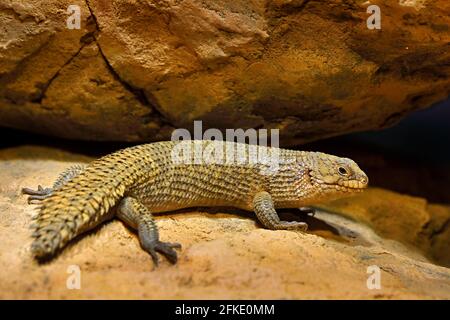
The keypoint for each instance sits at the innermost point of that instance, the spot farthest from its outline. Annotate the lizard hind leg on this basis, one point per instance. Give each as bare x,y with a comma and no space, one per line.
43,193
267,215
137,216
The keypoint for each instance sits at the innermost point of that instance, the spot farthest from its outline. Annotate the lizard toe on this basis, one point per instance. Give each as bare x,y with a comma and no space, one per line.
151,250
167,250
294,225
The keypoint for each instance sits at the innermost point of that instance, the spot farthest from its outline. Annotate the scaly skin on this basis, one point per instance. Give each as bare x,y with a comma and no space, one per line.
135,182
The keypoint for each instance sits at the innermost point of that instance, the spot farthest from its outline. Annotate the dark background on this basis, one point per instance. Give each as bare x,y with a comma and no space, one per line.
411,157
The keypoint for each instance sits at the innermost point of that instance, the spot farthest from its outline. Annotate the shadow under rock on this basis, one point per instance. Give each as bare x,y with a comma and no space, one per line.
25,145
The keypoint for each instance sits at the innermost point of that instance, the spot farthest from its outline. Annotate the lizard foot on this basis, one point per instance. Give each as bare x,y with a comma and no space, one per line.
37,195
164,248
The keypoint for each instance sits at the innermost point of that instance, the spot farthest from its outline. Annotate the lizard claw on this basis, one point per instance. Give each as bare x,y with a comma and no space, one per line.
39,192
37,195
164,248
154,256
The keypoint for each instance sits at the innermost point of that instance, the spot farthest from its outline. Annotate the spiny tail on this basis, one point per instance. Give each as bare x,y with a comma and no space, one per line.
83,202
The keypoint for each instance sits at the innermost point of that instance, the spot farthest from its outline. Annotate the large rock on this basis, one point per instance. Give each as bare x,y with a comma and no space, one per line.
227,255
137,69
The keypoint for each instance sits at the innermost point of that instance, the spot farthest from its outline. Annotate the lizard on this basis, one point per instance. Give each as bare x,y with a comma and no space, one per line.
133,183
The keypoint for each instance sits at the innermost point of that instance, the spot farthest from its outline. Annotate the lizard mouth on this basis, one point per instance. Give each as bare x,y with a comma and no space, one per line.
350,189
344,186
353,184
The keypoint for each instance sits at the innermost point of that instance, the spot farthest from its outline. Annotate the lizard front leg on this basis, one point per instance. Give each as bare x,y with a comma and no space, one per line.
42,193
267,215
137,216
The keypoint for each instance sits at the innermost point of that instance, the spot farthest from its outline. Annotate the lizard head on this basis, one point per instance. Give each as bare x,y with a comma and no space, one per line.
335,176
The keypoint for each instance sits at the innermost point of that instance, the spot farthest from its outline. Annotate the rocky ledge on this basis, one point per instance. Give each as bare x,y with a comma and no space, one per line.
226,254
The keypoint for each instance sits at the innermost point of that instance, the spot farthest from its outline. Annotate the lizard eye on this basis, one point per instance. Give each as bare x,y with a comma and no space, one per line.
342,171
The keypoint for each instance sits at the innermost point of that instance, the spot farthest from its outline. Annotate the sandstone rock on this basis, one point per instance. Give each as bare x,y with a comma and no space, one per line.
227,254
410,220
136,70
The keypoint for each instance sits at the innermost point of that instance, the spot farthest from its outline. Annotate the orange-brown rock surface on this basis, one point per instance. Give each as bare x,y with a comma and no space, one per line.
137,69
226,254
